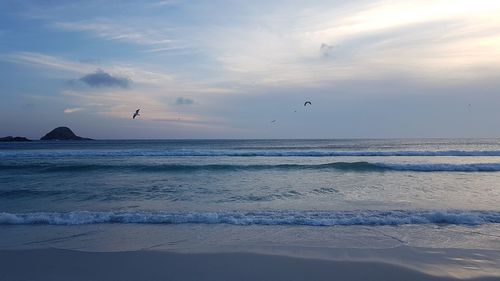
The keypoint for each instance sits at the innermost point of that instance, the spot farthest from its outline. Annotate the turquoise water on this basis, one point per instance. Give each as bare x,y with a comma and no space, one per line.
258,185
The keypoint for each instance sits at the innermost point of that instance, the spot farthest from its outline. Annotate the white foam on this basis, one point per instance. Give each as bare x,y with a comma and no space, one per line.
473,167
240,153
310,218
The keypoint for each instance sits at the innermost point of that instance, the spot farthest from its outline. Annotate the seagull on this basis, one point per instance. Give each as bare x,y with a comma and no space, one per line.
307,102
136,114
273,121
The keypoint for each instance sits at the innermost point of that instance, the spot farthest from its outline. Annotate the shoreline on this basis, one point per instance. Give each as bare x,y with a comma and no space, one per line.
448,256
58,264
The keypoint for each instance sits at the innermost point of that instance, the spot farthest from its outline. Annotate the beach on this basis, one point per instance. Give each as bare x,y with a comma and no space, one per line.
224,252
55,264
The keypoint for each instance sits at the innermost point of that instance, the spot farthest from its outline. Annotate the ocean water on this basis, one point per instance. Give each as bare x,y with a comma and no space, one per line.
200,194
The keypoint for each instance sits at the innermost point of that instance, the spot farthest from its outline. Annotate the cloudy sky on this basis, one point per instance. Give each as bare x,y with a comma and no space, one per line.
226,69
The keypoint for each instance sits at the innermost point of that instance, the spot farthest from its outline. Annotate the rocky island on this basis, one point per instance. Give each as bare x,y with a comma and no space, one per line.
62,133
13,139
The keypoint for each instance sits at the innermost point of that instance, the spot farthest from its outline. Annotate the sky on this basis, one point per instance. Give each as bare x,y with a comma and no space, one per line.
227,69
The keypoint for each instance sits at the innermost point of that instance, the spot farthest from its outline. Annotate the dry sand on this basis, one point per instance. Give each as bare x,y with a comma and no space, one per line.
68,265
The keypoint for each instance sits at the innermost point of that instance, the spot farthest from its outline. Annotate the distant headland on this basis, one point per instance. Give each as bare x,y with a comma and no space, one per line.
13,139
62,133
59,133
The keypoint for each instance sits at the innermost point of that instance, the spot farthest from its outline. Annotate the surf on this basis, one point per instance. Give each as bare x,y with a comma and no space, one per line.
305,218
361,166
245,153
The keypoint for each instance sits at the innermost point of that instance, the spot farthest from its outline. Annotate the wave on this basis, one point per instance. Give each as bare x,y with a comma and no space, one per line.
307,218
20,193
343,166
237,153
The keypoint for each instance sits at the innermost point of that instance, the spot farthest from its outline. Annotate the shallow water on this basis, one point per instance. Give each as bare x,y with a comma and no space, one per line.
389,188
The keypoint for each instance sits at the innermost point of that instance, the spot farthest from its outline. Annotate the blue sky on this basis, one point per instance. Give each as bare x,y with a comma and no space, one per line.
226,69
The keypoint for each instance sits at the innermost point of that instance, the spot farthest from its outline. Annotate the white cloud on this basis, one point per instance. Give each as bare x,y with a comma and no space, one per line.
47,61
152,91
156,39
373,39
73,110
276,45
137,73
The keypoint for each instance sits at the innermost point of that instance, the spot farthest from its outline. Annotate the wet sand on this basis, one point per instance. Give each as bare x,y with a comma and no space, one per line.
57,264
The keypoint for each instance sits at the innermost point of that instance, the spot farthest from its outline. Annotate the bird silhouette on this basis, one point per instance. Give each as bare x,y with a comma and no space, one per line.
136,114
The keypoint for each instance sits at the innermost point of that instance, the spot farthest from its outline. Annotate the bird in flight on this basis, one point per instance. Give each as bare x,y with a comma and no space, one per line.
273,121
307,102
136,114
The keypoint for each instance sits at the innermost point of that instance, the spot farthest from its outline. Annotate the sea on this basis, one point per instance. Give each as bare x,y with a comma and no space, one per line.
212,195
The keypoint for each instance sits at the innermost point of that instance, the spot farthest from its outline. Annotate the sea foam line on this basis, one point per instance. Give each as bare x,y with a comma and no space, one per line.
343,166
306,218
239,153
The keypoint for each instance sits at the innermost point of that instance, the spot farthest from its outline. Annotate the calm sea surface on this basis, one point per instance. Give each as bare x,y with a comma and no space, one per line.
178,193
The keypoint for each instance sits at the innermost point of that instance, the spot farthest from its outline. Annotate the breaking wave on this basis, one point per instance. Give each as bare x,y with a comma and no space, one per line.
239,153
307,218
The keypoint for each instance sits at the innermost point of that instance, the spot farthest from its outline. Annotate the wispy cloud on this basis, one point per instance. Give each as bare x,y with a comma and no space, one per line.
136,72
372,39
156,39
273,44
120,105
73,110
166,3
46,61
116,32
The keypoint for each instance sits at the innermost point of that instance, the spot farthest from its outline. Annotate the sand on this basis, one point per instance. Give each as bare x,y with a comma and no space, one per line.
57,264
